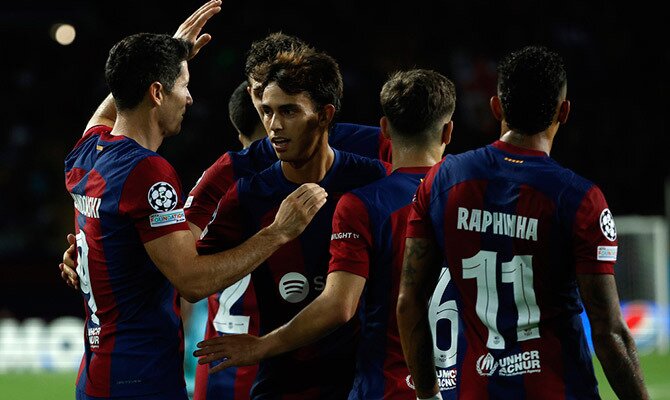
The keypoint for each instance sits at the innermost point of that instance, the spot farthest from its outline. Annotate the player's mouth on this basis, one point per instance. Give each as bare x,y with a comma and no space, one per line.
280,144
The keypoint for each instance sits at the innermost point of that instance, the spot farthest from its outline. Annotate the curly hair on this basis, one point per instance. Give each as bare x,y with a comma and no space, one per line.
265,50
530,83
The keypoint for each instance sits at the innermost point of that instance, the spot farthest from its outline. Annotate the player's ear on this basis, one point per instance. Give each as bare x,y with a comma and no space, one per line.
446,132
563,111
384,125
496,108
156,93
326,115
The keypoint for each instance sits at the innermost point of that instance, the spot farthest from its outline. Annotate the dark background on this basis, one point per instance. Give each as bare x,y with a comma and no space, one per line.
617,59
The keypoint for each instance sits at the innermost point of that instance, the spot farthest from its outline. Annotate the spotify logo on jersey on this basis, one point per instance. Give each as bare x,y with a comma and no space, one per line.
293,287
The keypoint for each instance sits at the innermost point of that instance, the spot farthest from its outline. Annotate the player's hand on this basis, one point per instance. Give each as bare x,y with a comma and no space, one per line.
68,266
190,29
234,350
298,209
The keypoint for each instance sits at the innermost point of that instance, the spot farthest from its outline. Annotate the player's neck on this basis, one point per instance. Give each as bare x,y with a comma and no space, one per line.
136,125
411,157
541,141
311,170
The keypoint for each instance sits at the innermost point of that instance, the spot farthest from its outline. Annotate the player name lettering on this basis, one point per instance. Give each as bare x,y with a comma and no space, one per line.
86,205
344,235
498,223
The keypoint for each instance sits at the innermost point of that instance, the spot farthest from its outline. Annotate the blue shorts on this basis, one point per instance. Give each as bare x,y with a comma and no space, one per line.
173,395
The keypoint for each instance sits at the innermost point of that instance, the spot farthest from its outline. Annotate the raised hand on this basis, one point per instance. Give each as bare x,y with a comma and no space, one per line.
298,209
190,29
235,350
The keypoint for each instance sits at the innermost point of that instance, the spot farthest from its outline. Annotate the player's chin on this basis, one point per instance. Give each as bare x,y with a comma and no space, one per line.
174,131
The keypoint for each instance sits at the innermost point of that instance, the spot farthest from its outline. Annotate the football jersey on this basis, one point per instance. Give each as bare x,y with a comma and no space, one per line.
239,313
293,276
515,229
366,141
124,196
368,239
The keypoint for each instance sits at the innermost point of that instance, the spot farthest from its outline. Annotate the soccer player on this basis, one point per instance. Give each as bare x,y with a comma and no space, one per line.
235,303
134,246
366,255
301,94
243,116
234,310
526,242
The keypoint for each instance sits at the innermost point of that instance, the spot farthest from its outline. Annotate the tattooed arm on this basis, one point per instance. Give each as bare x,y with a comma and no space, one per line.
420,272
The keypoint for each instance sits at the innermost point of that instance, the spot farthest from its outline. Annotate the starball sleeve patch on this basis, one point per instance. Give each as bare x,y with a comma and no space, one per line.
607,225
162,197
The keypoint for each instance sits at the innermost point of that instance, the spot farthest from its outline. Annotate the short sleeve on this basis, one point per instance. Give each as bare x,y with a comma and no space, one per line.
151,196
419,224
226,229
351,240
205,195
595,236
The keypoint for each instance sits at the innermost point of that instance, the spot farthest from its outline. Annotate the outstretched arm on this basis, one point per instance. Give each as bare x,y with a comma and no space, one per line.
105,114
420,271
197,276
334,307
612,340
189,31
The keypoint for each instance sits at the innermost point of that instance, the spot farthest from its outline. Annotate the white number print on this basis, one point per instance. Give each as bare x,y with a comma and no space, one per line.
224,322
84,278
444,358
518,272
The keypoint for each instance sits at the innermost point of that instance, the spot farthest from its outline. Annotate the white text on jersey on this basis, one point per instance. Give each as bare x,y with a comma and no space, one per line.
86,205
511,225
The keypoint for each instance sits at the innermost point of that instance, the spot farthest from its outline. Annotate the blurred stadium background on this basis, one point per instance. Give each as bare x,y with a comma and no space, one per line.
617,64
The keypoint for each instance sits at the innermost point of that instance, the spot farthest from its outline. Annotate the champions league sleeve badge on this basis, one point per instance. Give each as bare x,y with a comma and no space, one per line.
607,225
163,197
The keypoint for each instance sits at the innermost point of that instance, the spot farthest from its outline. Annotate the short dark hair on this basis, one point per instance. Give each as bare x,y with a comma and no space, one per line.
265,50
242,112
530,83
414,101
312,72
138,60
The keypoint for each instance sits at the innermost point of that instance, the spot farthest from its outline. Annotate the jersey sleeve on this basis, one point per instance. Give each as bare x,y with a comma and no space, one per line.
595,238
351,240
226,229
419,224
205,195
151,196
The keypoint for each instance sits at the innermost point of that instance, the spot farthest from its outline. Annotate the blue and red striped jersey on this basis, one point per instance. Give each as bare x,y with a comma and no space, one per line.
366,141
293,276
124,196
515,228
235,383
368,239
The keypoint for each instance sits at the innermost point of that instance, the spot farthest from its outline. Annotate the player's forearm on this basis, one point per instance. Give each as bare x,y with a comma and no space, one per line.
417,282
618,356
215,272
105,114
315,321
417,344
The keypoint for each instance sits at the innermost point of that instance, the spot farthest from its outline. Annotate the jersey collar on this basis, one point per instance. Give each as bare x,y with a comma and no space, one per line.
510,148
